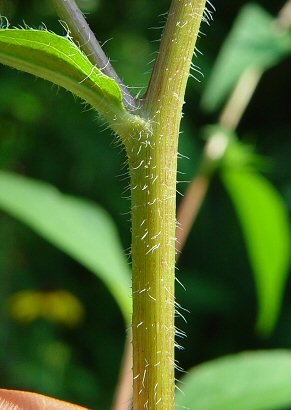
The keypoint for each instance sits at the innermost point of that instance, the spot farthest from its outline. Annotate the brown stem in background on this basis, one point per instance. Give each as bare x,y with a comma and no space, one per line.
195,194
229,118
123,394
239,99
214,149
189,209
284,17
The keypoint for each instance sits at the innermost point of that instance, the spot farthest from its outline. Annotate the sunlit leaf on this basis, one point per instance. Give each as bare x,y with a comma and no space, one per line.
79,227
255,42
20,400
265,225
60,61
245,381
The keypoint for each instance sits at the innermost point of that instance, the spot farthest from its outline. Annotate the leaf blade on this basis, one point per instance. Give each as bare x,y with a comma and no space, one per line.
245,381
59,60
265,224
78,227
255,42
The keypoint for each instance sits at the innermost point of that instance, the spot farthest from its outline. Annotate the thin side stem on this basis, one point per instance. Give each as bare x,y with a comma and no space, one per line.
82,35
240,98
284,16
189,209
229,118
213,150
153,165
123,394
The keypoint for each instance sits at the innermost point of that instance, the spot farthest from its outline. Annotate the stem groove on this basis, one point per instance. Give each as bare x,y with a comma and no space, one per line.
153,167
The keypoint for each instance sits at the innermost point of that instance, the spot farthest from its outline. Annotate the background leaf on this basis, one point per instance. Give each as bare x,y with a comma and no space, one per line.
254,42
245,381
60,61
57,142
78,227
265,224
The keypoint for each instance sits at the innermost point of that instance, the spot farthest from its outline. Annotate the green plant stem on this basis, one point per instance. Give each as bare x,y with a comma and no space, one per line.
153,163
81,33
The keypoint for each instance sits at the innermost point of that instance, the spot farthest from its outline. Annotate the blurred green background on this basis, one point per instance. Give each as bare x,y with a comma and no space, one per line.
47,135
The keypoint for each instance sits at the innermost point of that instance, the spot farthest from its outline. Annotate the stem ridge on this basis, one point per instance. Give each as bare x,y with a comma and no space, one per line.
153,167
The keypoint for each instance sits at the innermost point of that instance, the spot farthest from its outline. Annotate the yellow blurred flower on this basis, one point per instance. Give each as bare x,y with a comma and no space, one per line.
55,306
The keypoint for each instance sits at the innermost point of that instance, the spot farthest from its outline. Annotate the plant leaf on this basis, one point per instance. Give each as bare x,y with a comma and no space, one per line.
265,224
60,61
21,400
255,42
79,227
244,381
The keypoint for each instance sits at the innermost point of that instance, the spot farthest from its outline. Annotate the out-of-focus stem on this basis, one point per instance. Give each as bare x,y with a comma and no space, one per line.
194,197
123,394
240,98
284,17
229,118
214,149
189,209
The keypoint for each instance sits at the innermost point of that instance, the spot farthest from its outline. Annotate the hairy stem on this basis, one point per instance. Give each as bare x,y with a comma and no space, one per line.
81,33
196,193
153,163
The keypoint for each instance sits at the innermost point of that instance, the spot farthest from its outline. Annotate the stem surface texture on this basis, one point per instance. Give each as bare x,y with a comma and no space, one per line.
153,165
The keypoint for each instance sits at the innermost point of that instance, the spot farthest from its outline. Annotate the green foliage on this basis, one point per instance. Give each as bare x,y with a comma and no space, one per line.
52,142
80,228
262,214
255,42
60,61
265,223
246,381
